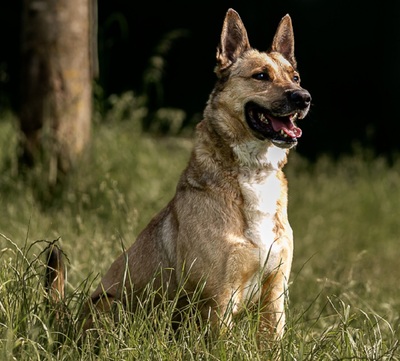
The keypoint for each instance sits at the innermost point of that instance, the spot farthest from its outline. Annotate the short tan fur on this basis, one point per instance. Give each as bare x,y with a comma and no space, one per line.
227,224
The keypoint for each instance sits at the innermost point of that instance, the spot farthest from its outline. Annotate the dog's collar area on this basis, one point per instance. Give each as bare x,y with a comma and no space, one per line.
281,130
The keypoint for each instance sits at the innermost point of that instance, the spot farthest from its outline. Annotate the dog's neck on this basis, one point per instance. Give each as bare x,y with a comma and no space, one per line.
221,165
256,154
245,150
251,153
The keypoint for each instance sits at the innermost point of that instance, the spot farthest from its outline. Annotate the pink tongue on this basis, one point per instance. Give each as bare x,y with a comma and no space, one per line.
288,127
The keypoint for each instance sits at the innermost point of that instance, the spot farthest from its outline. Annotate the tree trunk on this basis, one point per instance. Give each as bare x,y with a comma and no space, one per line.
56,82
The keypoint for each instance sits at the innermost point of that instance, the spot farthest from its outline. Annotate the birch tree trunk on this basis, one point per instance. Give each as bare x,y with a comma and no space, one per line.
56,82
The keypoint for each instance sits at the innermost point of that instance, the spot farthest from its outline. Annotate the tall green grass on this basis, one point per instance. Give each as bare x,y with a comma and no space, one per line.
344,294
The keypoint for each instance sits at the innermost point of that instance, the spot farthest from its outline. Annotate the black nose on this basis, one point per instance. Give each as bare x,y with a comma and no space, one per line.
301,98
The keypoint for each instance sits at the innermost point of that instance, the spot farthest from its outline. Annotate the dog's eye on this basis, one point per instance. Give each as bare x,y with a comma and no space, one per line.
261,76
296,79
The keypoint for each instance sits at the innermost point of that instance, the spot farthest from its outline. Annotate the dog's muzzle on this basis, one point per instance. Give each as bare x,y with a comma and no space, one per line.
279,125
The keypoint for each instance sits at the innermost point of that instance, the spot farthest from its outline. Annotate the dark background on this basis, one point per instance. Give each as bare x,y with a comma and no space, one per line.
348,54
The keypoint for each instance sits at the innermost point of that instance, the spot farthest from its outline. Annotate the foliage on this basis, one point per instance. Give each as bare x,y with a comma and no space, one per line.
344,298
146,107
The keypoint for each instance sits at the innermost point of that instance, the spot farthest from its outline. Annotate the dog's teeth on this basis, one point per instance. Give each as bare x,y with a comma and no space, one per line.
263,118
294,116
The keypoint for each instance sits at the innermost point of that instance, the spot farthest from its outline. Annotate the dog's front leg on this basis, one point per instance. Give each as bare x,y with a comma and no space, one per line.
273,308
274,295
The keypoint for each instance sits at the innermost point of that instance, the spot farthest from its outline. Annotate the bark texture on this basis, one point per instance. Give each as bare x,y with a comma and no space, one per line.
56,82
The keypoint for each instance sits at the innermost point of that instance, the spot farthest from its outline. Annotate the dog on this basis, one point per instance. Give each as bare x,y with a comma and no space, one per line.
227,224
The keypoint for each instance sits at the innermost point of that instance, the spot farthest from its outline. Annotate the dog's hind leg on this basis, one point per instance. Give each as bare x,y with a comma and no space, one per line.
93,307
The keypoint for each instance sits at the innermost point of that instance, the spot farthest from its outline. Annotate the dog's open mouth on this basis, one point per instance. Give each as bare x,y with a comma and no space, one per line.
281,130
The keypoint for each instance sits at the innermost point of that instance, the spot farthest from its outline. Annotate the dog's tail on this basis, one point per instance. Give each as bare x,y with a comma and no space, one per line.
55,274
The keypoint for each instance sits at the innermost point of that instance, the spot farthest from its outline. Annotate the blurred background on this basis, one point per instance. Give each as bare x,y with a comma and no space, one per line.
348,54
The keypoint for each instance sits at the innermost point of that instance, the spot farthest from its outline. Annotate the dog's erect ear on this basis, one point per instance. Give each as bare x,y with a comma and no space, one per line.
284,40
234,40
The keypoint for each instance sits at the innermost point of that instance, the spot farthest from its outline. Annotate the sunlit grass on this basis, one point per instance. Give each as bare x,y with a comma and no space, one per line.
344,294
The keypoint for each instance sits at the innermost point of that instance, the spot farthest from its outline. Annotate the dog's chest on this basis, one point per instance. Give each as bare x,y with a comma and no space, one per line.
261,194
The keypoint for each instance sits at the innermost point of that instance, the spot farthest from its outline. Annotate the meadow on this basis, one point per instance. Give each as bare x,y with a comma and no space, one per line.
344,294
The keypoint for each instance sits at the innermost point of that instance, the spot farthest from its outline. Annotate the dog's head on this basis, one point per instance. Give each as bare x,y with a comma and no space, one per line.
262,88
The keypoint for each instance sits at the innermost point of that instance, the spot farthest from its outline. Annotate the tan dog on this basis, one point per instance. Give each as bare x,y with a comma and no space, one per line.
227,224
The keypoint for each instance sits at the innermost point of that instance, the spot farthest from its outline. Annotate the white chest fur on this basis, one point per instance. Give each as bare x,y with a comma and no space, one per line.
261,189
261,193
261,196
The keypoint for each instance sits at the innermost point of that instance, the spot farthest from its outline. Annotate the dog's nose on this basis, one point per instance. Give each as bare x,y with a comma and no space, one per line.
301,98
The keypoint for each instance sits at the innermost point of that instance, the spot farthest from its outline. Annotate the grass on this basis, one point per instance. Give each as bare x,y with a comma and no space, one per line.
344,294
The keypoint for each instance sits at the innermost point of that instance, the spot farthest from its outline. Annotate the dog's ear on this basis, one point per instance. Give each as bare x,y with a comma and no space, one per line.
284,40
234,41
